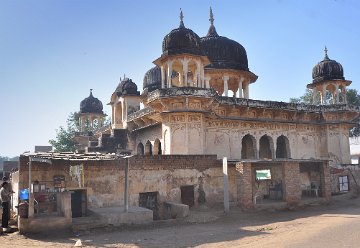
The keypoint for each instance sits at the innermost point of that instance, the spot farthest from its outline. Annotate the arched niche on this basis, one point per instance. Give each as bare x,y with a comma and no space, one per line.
148,148
248,148
282,147
157,147
140,149
266,147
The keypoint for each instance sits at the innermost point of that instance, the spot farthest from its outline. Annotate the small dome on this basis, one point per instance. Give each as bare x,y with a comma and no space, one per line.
181,40
152,79
91,105
223,52
327,69
127,87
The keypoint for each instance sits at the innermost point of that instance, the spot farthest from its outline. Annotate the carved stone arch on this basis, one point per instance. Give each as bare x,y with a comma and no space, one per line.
157,147
140,149
266,148
330,93
248,147
282,147
177,73
148,148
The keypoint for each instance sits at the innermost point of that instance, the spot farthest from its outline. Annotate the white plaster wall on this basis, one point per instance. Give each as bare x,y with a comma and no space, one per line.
218,142
339,148
228,142
195,137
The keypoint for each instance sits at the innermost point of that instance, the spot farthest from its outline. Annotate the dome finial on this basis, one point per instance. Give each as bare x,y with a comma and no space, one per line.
326,55
212,29
91,92
181,19
211,17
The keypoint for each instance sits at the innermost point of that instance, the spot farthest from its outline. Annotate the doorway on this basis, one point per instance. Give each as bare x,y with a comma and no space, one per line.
187,195
149,200
78,203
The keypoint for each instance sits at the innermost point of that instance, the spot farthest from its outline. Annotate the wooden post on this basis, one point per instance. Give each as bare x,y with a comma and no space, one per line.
126,191
226,185
31,195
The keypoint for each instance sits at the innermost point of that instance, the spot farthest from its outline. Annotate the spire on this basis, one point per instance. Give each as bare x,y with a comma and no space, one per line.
212,29
326,57
181,19
211,17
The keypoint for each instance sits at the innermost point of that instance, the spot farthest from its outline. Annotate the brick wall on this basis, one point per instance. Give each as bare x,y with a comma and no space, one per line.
244,183
292,192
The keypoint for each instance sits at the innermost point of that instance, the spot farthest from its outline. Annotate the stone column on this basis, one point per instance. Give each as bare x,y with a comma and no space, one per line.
323,95
337,93
291,183
202,74
207,82
199,83
314,95
246,90
257,151
162,77
113,108
274,151
226,87
240,87
195,79
244,181
185,64
345,97
181,78
169,72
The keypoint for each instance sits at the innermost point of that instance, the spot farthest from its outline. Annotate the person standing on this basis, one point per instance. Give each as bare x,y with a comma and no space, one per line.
5,201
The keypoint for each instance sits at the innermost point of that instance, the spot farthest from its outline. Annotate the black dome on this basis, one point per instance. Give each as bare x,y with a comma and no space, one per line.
127,87
91,105
327,69
181,40
152,79
223,52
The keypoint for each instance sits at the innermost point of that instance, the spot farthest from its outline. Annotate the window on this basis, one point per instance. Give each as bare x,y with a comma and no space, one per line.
263,174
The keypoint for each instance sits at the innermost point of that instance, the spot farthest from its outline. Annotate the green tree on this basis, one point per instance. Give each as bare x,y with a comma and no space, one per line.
65,137
306,98
352,96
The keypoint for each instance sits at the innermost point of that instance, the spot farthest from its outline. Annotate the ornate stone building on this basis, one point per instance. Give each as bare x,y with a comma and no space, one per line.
196,101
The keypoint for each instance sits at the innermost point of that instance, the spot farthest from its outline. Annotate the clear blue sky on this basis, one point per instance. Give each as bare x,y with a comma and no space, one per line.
52,52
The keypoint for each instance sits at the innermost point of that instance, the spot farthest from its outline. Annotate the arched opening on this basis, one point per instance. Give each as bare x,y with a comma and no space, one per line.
248,149
140,149
157,147
177,76
330,94
148,148
282,147
265,147
118,113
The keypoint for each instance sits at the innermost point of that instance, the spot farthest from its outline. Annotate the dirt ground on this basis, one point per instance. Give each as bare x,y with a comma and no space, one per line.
286,228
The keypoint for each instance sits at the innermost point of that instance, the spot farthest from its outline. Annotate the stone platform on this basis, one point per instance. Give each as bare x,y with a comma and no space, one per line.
116,216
